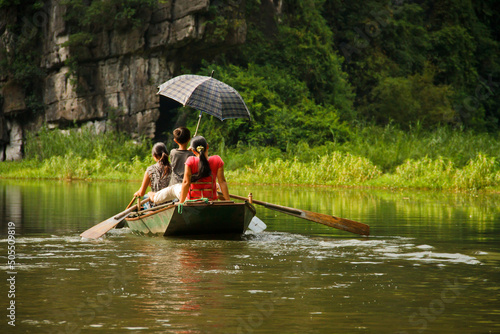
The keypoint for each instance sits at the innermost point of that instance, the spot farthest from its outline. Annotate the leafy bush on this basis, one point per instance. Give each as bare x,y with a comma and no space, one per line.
406,101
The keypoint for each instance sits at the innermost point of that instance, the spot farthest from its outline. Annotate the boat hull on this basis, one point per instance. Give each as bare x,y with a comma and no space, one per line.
218,217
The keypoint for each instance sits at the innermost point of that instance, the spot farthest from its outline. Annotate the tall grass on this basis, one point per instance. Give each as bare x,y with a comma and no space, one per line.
479,173
335,169
84,143
442,159
71,166
382,157
80,154
386,147
389,147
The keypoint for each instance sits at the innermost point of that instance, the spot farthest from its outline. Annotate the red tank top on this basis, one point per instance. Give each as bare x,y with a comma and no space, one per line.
205,187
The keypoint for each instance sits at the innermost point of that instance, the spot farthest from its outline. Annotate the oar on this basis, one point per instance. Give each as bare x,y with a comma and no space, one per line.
100,229
332,221
257,225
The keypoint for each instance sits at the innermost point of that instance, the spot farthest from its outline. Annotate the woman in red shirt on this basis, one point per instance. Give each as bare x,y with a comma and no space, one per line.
201,173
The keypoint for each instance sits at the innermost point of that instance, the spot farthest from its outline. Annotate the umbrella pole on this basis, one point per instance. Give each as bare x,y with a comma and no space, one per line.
198,125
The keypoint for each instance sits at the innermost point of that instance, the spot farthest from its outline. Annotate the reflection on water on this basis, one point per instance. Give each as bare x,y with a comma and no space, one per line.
45,207
431,265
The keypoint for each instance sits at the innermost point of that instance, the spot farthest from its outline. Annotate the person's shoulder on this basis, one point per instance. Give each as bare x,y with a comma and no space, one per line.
190,159
151,168
177,152
216,158
187,152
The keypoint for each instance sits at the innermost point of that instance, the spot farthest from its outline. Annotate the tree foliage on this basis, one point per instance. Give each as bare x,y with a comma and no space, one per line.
282,108
387,43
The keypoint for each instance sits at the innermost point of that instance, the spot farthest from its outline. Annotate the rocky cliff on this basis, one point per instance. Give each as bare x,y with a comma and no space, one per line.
118,73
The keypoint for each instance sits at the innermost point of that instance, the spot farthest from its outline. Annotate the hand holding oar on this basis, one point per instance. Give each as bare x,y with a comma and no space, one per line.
332,221
100,229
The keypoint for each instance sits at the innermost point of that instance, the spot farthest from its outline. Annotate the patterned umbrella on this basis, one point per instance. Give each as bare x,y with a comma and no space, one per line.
206,94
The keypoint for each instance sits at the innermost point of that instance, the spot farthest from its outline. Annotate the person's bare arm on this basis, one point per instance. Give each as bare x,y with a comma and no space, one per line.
222,183
145,184
186,183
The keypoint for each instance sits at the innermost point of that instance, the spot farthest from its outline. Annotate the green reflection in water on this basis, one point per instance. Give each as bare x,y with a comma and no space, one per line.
401,213
57,207
60,207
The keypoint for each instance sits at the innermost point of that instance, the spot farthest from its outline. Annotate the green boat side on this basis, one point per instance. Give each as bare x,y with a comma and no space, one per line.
217,217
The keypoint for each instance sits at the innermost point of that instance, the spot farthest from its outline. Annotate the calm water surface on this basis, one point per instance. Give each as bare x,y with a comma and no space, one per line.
431,265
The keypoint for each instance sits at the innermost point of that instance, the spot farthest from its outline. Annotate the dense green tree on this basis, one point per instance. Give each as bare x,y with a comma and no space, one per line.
411,100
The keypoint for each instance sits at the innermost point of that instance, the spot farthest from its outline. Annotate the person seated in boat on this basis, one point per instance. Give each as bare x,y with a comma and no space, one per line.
178,156
201,174
157,176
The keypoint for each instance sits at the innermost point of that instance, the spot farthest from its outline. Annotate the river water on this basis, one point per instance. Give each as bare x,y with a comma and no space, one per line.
431,265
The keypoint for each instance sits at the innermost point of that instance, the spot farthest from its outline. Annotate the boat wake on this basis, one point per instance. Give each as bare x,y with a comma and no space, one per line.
360,250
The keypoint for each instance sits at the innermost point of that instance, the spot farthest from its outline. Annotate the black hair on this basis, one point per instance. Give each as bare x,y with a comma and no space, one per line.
182,135
160,152
200,145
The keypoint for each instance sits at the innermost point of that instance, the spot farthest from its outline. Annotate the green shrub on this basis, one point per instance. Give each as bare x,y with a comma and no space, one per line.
479,173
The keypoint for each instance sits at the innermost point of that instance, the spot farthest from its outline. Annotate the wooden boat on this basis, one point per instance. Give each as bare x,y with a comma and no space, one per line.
196,218
223,217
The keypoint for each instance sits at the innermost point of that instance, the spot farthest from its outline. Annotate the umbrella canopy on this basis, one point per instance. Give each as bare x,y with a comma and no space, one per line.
206,94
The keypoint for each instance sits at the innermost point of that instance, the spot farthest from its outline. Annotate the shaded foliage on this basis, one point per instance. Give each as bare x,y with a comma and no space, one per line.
388,42
282,108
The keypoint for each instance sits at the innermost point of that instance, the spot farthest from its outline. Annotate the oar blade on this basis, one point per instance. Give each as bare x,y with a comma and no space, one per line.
336,222
100,229
257,225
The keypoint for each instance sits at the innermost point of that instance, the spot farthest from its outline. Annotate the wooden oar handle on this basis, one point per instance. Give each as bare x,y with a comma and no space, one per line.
332,221
132,201
277,207
129,210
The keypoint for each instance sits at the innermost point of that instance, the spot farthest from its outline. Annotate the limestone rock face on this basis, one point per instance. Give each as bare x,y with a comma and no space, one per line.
183,8
13,149
119,72
13,98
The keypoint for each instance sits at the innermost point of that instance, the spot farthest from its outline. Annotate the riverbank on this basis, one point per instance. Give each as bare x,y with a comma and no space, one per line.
340,169
374,157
